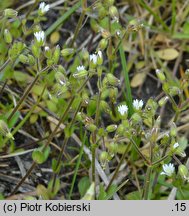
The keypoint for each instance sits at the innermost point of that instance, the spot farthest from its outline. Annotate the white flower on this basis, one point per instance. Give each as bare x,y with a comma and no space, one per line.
138,104
168,169
43,8
40,36
175,145
80,68
46,48
93,58
123,109
99,54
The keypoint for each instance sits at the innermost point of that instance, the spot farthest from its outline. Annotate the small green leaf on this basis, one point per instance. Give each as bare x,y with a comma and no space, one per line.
53,190
102,193
135,195
83,185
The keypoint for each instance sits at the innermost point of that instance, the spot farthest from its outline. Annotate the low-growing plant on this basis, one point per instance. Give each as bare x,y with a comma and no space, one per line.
78,94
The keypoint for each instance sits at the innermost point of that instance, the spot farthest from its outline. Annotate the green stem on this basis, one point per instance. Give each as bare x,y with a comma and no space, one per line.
79,24
126,76
140,153
4,65
160,160
147,183
118,166
77,167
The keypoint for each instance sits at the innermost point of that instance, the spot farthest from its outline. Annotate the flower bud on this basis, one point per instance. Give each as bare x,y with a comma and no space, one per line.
165,140
183,171
56,55
31,59
160,75
136,119
47,52
4,130
179,151
113,147
15,50
67,52
79,117
102,12
104,157
111,128
101,132
60,78
120,130
81,72
99,58
103,44
36,50
113,93
85,55
114,13
173,91
7,36
112,79
163,101
154,134
104,106
24,59
173,131
10,13
94,25
91,127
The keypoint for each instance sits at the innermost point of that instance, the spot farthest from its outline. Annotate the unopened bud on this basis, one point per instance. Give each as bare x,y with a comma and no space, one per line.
120,130
31,59
104,158
111,128
113,147
94,25
4,130
99,58
91,127
112,79
173,91
160,75
163,101
104,106
103,44
36,50
48,52
173,131
114,13
183,171
10,13
60,78
85,54
56,55
165,139
113,93
179,151
80,73
67,52
136,119
7,36
24,59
